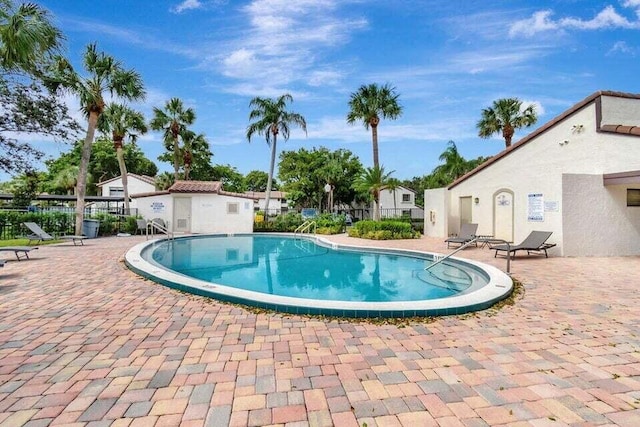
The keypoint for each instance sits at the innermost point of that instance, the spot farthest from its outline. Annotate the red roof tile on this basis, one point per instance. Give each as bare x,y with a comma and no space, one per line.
196,187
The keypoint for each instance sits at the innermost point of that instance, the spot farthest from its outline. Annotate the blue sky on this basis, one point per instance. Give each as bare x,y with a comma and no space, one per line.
447,60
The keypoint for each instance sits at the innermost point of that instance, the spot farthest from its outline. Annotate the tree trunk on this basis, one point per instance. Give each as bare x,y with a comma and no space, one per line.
374,137
176,159
270,179
125,178
376,207
84,169
507,133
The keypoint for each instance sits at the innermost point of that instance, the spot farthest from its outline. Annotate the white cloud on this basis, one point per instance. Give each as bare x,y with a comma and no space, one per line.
325,78
536,104
607,18
187,5
621,47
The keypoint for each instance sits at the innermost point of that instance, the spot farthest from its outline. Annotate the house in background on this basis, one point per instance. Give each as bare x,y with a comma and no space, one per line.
277,203
399,202
577,176
135,183
198,207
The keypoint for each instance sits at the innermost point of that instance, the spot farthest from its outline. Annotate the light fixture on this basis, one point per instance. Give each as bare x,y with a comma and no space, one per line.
476,200
565,142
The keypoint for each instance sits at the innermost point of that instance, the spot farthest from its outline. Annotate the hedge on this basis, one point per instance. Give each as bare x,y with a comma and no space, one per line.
383,230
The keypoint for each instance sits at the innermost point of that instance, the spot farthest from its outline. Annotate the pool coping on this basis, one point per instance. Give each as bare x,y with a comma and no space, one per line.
499,287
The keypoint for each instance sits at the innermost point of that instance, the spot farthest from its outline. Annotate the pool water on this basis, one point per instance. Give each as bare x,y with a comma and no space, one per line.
300,268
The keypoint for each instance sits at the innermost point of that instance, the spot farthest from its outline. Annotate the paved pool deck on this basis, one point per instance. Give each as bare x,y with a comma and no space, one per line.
86,342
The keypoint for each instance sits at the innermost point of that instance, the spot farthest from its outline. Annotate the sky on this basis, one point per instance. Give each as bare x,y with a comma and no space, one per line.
447,61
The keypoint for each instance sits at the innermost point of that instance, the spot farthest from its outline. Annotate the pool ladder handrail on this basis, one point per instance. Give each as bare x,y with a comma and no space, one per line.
152,225
306,227
474,240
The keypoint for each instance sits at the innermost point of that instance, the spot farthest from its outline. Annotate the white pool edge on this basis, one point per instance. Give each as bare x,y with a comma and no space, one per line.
499,287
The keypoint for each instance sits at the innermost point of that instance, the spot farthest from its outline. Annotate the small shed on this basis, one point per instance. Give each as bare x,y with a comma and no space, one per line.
198,207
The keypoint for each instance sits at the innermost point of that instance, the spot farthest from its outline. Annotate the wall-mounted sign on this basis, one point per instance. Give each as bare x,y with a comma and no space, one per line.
503,200
535,208
158,207
552,206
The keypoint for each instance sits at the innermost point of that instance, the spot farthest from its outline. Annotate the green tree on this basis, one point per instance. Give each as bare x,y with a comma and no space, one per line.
193,143
304,173
164,180
506,115
105,74
173,120
65,180
231,179
120,122
368,105
271,117
454,165
257,180
373,180
28,40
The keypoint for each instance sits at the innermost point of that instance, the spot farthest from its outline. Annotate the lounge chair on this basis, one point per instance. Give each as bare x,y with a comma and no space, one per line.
18,250
141,226
467,233
535,242
39,235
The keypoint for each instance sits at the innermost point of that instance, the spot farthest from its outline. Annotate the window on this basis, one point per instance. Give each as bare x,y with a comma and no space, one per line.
233,208
232,254
406,197
633,196
116,191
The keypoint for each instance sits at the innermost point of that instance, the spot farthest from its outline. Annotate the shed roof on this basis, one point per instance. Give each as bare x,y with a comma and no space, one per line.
144,178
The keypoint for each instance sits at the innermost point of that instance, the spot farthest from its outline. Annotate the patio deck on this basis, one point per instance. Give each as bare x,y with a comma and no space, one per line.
84,341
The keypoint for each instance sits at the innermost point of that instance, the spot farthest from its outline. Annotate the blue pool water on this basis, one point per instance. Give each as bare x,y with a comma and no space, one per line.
300,268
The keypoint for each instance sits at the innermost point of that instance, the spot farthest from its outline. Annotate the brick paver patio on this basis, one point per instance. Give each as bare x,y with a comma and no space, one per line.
84,341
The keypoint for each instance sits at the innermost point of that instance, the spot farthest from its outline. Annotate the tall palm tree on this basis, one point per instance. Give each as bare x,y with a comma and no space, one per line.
27,37
373,180
173,120
121,121
454,165
369,104
506,115
191,142
104,74
271,118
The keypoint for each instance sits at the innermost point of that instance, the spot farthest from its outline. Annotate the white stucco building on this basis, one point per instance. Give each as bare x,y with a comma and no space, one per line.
399,202
277,202
577,175
198,207
135,184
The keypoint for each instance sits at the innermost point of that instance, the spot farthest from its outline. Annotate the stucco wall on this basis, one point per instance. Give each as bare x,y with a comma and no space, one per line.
570,147
208,212
596,218
620,111
437,201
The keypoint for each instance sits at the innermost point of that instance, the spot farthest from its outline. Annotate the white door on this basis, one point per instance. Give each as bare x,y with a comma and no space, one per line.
465,210
503,215
182,214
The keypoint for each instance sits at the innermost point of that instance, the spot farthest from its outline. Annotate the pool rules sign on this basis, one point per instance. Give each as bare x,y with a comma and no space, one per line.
535,208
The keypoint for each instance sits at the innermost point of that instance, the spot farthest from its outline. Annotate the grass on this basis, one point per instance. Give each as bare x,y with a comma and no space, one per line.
25,242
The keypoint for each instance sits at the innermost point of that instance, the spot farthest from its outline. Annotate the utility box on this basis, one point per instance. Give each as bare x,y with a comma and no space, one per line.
90,228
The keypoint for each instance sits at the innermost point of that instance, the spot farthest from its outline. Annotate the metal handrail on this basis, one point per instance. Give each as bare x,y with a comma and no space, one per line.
152,225
475,239
306,226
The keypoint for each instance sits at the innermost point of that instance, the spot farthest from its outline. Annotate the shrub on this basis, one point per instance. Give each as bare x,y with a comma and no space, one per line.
383,230
325,223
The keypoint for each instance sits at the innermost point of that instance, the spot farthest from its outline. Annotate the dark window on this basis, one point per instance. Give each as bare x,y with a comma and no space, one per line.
406,197
633,196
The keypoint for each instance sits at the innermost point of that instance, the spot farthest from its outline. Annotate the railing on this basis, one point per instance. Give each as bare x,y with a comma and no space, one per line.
153,226
306,227
474,240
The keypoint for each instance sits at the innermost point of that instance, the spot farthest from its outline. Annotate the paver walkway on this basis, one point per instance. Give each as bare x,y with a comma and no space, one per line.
84,341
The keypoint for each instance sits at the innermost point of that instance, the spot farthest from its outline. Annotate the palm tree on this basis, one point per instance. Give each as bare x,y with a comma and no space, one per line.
104,74
191,142
392,185
369,104
506,115
67,179
173,120
27,37
372,181
271,118
454,164
121,121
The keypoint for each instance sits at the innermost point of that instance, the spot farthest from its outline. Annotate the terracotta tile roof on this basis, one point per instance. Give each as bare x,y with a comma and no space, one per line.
149,194
542,129
196,187
625,130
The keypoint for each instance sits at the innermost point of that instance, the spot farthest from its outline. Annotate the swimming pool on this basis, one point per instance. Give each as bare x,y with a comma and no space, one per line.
313,276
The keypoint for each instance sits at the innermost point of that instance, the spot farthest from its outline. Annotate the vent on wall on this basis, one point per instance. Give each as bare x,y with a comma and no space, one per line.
182,223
